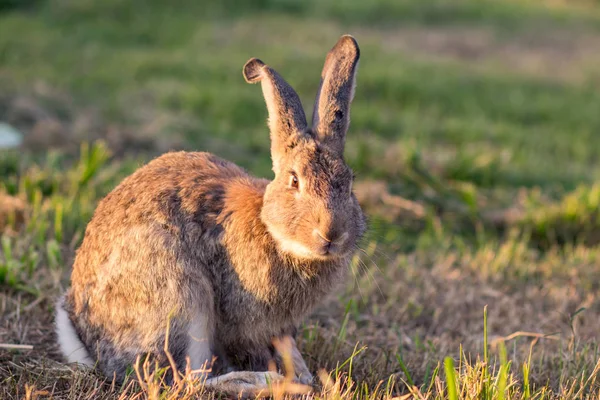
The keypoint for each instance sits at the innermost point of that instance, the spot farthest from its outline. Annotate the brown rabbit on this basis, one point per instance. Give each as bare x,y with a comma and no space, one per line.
231,261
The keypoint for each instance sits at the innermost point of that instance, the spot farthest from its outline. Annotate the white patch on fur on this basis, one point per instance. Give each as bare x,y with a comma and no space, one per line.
296,248
199,350
69,342
291,246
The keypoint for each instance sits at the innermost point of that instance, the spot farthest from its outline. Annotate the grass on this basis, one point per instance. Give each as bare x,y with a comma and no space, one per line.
474,137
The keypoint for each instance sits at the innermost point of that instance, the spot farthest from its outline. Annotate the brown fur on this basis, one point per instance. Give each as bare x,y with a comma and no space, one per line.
190,235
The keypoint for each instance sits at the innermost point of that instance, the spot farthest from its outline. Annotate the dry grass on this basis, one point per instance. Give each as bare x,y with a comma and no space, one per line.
382,334
51,119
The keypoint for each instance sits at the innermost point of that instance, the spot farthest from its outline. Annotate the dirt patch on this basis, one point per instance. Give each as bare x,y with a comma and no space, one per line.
49,119
564,56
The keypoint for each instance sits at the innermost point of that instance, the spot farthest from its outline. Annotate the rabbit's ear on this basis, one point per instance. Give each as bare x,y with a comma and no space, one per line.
331,115
286,115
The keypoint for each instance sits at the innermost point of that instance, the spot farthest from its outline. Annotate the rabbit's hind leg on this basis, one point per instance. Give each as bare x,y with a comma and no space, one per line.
243,382
199,345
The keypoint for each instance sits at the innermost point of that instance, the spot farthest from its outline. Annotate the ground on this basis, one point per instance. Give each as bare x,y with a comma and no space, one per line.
475,142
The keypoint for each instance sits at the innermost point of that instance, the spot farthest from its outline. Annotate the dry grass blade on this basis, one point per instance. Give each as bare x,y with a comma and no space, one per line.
9,346
515,335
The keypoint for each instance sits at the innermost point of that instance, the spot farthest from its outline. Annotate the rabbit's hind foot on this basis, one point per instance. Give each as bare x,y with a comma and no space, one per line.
244,383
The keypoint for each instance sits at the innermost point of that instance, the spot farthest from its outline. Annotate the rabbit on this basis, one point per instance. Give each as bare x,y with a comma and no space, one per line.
229,261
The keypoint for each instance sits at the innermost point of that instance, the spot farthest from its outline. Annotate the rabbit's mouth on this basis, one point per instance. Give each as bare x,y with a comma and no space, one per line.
316,252
329,247
319,248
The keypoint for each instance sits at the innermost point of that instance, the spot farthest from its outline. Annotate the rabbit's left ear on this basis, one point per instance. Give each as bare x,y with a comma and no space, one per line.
286,115
331,115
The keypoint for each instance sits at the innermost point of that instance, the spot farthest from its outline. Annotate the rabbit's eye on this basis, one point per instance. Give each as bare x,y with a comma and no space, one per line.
293,181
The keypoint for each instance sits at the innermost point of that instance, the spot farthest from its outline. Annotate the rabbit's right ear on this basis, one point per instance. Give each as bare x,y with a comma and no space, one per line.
331,115
286,115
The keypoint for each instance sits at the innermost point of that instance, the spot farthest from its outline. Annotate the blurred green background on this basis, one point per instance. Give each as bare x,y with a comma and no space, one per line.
498,95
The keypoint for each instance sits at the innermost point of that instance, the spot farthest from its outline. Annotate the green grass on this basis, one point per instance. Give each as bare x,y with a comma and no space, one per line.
474,137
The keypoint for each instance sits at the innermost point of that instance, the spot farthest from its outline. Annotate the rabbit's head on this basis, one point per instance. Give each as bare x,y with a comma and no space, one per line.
309,207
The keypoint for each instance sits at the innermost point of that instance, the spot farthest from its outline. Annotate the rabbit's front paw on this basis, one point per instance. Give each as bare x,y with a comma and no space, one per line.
268,378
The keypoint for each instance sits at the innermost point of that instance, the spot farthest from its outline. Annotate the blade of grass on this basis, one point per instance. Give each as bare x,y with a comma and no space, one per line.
485,374
450,378
405,370
503,374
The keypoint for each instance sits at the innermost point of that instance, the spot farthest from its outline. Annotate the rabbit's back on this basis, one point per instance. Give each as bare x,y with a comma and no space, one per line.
171,202
174,189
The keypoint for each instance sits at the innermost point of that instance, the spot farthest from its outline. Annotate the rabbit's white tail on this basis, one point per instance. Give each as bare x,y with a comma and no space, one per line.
70,344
